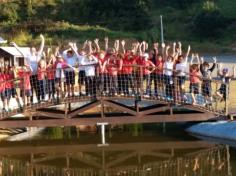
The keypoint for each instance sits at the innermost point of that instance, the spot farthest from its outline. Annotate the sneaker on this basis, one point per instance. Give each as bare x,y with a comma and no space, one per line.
147,96
4,110
122,94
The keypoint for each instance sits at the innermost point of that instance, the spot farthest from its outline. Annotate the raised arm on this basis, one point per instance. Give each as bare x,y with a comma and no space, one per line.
163,50
42,44
188,52
219,70
123,46
180,48
17,48
20,51
234,71
214,64
174,49
117,45
167,51
85,44
90,48
192,58
106,43
143,46
97,45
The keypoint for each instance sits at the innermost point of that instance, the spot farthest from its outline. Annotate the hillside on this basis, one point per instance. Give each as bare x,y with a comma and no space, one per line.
208,25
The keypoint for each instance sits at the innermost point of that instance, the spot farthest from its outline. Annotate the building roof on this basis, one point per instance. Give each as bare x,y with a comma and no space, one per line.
14,52
2,40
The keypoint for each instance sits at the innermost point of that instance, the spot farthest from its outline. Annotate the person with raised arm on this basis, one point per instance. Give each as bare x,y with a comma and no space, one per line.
146,67
3,88
41,77
32,60
10,91
168,67
119,73
127,71
180,73
89,62
206,72
71,59
25,72
59,66
225,77
50,73
158,82
195,79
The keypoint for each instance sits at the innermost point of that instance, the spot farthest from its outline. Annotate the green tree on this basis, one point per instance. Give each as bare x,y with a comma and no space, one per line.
9,12
209,22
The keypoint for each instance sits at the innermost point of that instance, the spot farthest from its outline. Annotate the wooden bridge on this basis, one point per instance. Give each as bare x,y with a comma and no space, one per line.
119,108
155,158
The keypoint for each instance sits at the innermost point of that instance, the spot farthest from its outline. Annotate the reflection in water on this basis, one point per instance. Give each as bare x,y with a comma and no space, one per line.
139,158
213,161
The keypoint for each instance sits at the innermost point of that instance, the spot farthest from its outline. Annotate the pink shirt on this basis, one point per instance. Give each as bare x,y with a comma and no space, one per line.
2,82
194,76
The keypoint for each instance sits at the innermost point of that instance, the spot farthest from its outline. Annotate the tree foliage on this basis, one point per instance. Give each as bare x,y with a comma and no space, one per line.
209,22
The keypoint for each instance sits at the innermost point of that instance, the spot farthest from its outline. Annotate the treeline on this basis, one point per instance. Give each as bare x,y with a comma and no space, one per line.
115,14
185,19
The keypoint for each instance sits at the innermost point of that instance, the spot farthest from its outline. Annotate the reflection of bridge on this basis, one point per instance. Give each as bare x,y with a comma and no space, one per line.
136,108
118,159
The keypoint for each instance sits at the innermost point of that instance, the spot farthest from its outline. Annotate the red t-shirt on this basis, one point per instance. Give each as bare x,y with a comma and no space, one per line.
127,67
146,65
113,66
9,84
50,73
41,73
159,67
26,76
194,76
2,82
101,62
63,63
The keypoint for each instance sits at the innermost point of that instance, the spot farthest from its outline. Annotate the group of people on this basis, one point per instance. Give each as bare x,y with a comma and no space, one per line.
160,72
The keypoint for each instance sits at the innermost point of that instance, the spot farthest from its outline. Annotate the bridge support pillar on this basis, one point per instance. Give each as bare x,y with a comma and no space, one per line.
103,134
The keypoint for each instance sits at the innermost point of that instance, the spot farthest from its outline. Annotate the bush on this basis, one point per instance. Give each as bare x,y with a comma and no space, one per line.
209,23
9,12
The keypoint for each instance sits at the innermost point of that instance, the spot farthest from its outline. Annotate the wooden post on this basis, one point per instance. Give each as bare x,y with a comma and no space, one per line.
227,100
23,94
228,162
141,81
66,109
102,109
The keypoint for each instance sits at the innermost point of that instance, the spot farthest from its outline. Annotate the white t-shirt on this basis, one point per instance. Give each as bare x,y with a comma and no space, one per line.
33,60
80,58
59,72
88,67
72,61
182,67
168,68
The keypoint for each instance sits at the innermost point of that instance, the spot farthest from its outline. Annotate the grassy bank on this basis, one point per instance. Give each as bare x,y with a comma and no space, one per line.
61,33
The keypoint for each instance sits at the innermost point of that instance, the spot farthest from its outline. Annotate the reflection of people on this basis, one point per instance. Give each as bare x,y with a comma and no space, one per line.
86,128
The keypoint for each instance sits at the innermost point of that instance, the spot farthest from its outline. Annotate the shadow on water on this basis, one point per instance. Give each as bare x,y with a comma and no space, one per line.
142,150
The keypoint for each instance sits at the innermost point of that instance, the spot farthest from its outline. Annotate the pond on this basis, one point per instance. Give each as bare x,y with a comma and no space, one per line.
142,150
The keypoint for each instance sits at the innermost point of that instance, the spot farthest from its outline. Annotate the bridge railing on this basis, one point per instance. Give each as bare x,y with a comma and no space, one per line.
54,86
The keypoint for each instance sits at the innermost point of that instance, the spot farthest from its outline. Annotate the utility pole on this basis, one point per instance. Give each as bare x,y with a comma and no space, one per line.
162,32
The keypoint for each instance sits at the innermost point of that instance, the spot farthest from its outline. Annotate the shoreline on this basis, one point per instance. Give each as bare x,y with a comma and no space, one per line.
222,130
